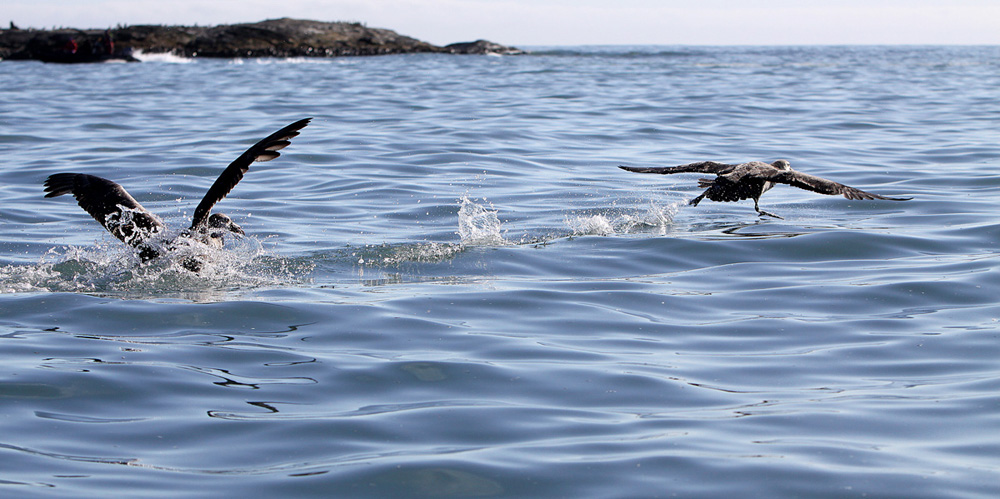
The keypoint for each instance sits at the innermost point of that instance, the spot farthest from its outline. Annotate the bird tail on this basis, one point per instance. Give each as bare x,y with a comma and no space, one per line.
705,182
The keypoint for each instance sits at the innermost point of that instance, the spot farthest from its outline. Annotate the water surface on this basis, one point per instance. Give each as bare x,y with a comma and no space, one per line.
447,287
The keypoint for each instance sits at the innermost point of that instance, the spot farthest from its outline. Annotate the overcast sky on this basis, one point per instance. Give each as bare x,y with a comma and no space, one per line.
567,22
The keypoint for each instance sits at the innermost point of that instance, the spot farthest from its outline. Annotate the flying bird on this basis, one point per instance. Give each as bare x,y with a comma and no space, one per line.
114,208
753,179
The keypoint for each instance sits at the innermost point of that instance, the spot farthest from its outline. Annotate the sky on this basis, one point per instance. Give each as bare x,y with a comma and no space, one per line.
567,22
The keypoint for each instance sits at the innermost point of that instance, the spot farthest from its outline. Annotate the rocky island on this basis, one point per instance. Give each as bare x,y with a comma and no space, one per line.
271,38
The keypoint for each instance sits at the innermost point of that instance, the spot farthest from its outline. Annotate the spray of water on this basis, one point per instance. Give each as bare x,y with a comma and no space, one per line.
655,218
479,225
112,268
161,57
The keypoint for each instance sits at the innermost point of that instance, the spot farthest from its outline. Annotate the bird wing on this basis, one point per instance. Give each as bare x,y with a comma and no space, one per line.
109,203
700,167
265,150
823,186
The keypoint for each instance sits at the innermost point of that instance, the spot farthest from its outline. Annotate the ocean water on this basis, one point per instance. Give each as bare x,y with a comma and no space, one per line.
448,289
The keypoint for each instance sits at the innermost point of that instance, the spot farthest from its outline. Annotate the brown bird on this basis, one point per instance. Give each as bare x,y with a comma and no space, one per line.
751,180
114,208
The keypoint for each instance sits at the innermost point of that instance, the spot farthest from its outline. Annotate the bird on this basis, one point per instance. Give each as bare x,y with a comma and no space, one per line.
735,182
115,209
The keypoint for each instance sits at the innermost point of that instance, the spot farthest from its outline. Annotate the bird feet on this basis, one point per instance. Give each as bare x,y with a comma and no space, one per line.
764,213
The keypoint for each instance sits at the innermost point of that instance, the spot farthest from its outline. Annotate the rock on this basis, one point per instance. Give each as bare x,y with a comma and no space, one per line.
299,38
271,38
482,47
63,45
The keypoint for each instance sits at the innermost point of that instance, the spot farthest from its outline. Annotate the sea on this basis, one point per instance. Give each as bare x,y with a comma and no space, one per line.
448,288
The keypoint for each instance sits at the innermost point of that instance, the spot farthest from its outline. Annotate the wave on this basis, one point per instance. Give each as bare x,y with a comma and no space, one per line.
618,51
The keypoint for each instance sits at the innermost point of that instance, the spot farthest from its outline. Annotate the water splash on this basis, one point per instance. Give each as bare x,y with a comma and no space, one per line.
111,268
655,218
590,225
479,226
161,57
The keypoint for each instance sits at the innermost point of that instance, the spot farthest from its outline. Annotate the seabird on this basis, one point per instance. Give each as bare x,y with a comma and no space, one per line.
114,208
751,180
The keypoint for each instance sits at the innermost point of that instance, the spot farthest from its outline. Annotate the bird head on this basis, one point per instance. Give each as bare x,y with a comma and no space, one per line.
221,221
782,164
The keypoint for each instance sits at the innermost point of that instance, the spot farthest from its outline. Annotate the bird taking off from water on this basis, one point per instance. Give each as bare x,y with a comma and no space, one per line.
753,179
126,219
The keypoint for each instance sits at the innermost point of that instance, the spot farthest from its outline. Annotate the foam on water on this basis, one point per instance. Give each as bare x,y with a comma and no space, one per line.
166,57
110,267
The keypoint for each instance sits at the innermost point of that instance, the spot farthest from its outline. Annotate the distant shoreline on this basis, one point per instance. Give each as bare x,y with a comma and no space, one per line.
271,38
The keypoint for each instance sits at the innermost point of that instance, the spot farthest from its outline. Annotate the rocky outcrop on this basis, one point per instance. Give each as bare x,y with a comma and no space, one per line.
482,47
271,38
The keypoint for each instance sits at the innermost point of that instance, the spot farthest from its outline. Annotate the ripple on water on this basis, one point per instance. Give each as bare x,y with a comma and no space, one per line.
450,289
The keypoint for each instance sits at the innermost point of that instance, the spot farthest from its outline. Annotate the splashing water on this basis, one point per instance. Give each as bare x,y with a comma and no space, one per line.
115,269
168,57
590,225
478,226
658,218
111,268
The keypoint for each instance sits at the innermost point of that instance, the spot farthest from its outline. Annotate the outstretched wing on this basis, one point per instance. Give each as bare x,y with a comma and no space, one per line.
265,150
823,186
109,203
700,167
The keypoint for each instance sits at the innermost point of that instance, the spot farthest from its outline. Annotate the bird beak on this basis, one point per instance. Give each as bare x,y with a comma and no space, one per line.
235,229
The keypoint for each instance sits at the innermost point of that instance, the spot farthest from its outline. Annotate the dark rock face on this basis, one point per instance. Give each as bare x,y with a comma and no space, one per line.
296,38
64,45
482,47
271,38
